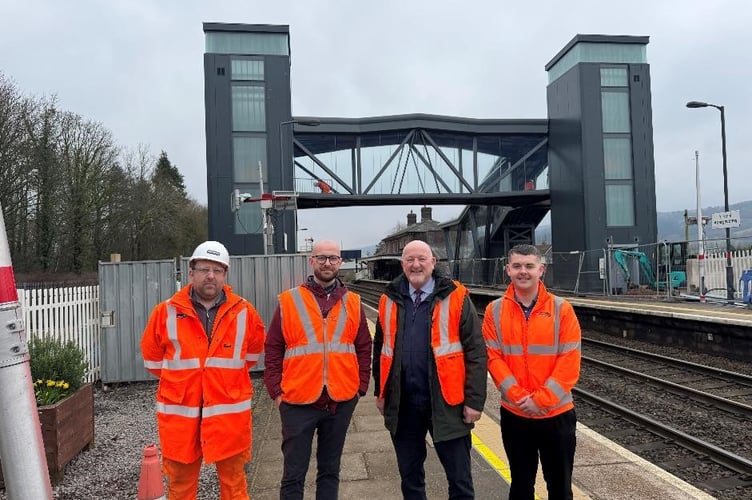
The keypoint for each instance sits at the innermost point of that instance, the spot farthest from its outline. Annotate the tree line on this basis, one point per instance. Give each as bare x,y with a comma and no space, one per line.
71,196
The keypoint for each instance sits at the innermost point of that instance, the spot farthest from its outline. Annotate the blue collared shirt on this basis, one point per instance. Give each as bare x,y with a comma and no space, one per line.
427,289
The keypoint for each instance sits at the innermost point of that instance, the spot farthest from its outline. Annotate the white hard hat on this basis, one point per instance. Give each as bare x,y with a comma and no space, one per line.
212,250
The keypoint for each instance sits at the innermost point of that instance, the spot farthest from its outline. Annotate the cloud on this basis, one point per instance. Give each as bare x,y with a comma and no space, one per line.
137,67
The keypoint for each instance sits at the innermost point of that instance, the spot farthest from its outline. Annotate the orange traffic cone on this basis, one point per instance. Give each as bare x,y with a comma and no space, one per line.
150,483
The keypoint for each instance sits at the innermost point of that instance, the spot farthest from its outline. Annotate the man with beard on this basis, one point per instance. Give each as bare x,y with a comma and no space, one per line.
317,365
201,343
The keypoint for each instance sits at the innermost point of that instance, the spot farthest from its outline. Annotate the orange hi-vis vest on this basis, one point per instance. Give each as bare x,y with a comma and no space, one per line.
204,395
319,352
445,341
538,356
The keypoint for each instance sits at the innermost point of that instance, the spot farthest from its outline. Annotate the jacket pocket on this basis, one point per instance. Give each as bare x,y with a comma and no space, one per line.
172,392
236,384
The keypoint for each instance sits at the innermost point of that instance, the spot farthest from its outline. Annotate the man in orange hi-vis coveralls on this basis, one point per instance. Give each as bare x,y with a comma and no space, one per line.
201,343
533,341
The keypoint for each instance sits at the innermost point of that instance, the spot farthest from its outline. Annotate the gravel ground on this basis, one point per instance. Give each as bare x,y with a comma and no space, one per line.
124,423
675,352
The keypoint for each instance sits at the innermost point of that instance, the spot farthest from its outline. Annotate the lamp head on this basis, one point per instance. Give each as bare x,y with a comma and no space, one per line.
697,104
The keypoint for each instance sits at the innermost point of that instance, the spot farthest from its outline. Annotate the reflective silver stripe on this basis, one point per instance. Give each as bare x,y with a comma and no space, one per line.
339,328
172,329
304,316
232,363
557,348
252,357
172,335
512,350
537,349
181,364
543,349
445,347
240,328
493,344
568,347
557,312
313,345
183,411
507,350
155,365
566,399
237,361
554,387
496,312
226,409
548,349
302,350
345,348
506,384
386,349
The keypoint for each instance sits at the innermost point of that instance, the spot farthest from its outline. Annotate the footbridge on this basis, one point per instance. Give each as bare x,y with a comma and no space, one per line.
496,168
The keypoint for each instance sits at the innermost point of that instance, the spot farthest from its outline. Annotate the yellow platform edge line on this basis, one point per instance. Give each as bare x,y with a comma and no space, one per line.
493,460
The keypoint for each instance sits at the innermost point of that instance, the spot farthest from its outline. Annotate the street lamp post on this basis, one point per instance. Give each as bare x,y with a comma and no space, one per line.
300,121
700,242
729,267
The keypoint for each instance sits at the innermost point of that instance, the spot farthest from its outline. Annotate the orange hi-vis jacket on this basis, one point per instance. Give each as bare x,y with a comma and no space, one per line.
205,391
319,352
539,356
445,341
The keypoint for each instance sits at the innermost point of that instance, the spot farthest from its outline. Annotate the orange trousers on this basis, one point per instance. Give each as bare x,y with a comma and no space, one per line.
182,479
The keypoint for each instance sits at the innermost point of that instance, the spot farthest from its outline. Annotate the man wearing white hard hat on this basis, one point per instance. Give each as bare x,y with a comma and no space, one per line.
201,343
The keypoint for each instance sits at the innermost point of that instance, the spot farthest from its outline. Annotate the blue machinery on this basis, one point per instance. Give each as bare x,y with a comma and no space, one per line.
622,257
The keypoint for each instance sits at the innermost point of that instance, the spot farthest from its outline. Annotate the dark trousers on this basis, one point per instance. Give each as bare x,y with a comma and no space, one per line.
552,440
299,422
410,447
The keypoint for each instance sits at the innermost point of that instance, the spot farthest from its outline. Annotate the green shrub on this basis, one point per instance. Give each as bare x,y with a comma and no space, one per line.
57,369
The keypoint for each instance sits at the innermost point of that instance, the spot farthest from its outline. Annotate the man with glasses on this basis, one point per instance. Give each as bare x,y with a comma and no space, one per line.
429,367
317,365
201,343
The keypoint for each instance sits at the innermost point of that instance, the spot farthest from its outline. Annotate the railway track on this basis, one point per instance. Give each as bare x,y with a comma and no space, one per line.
690,419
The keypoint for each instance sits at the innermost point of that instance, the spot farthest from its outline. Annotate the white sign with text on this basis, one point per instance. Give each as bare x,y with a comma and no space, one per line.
722,220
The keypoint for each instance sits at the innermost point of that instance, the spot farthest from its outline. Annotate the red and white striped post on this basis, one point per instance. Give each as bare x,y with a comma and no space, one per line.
21,447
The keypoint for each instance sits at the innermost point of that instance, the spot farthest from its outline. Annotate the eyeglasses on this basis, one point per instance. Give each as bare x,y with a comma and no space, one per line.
219,271
333,259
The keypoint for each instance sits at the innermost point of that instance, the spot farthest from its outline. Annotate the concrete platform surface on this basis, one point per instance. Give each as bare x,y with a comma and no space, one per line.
603,470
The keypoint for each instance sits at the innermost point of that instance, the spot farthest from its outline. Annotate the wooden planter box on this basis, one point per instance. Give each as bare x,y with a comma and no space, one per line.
67,429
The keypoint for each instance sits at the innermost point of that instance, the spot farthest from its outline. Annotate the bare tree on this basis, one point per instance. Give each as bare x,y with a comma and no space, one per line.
87,156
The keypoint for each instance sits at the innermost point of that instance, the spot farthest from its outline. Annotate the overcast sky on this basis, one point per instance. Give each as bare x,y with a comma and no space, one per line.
137,67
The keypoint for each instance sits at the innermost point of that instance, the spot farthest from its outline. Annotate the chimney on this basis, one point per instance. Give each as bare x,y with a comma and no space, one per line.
411,218
425,214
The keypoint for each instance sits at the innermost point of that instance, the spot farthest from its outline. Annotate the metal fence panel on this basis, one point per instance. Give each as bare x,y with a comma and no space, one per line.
128,293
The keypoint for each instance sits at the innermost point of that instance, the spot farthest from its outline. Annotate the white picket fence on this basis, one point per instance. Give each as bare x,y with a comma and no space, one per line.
715,272
70,313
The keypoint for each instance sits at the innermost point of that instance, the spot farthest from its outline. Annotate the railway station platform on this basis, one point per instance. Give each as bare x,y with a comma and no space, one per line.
369,468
